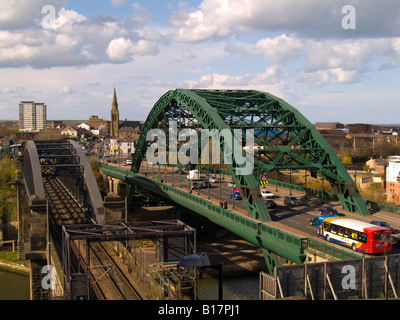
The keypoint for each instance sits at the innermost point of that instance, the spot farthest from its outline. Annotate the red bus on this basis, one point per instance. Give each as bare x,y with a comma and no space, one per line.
358,235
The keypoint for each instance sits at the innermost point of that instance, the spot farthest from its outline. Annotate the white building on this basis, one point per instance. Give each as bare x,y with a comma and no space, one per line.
84,126
122,146
32,116
393,169
70,132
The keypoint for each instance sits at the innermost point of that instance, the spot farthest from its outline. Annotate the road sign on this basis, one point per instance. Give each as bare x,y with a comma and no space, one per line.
263,179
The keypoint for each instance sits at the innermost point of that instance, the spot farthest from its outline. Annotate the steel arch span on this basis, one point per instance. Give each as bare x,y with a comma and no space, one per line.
283,139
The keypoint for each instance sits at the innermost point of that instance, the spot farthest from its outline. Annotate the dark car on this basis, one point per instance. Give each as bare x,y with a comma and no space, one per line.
383,224
324,210
327,210
291,201
270,203
204,184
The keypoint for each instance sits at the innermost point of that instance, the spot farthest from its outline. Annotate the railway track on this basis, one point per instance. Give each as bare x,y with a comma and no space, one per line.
107,279
64,209
103,266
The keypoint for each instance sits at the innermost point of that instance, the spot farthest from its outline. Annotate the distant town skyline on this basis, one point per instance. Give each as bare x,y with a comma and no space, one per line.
334,60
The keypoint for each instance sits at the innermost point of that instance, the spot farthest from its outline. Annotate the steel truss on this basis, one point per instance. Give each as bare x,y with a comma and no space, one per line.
283,138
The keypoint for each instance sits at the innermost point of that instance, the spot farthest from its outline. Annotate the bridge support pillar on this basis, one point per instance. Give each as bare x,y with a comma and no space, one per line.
116,186
114,208
32,236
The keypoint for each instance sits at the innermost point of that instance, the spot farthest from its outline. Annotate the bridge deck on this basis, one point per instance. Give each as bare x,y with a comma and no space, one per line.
294,221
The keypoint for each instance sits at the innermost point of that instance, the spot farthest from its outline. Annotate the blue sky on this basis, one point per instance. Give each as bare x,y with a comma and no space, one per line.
298,50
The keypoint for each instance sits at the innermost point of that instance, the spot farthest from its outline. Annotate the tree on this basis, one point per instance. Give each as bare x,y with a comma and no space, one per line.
8,203
347,161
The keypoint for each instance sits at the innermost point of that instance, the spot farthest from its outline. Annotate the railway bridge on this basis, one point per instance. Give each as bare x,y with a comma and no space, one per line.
76,248
62,209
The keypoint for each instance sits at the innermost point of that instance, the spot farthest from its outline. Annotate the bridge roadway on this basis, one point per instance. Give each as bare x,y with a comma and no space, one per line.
292,220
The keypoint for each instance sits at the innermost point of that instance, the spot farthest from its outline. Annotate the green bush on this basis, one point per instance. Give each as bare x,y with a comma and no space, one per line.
8,192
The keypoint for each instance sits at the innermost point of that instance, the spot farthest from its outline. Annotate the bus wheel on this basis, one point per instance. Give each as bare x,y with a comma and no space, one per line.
354,247
327,237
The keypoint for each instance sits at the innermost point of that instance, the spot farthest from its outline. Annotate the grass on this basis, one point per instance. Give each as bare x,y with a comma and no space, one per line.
9,256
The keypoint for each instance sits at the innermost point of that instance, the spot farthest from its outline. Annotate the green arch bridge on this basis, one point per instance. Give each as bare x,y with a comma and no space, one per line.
283,139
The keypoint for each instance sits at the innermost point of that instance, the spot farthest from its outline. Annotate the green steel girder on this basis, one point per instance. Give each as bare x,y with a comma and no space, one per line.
208,118
286,139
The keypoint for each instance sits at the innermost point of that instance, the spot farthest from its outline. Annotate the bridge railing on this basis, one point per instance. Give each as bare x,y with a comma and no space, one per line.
238,221
330,250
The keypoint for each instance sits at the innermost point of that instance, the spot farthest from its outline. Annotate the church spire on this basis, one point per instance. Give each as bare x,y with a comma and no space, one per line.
114,123
115,103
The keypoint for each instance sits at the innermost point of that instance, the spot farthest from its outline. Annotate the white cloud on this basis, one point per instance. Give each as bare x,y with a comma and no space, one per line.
325,76
117,3
123,50
310,18
75,41
119,50
24,13
280,49
65,90
68,17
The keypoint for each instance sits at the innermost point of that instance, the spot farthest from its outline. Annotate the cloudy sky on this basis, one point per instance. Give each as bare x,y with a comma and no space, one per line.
333,60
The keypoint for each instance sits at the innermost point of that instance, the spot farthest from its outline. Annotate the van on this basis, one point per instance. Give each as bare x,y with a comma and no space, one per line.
193,175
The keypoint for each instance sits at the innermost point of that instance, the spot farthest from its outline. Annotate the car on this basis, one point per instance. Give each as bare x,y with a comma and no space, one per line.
267,194
127,163
231,184
214,179
317,221
270,203
327,210
314,222
383,224
291,201
235,194
204,184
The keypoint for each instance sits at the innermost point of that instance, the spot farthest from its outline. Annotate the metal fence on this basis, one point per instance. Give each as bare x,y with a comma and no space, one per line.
368,278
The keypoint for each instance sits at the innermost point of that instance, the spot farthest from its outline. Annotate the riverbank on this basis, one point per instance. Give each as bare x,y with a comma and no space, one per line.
9,262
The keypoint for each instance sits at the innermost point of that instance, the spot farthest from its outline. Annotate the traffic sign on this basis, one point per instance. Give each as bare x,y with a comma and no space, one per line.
263,179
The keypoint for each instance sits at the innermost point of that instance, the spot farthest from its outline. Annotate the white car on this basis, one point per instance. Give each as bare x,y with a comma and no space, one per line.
266,194
231,184
127,162
214,179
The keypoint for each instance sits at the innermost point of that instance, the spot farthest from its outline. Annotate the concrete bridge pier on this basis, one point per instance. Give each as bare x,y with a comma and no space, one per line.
32,237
